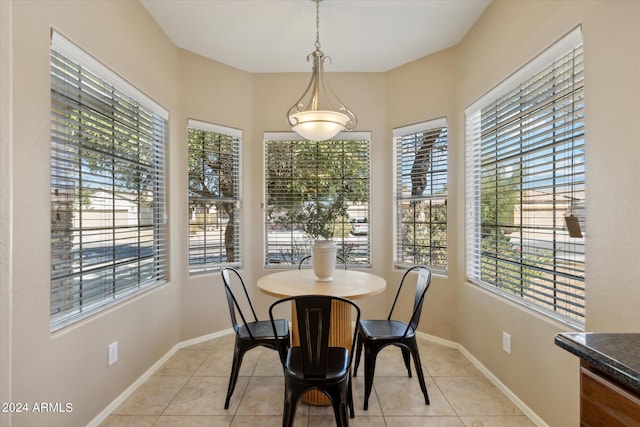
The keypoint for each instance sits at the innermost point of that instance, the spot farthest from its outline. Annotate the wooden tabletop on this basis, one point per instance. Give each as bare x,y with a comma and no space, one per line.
346,284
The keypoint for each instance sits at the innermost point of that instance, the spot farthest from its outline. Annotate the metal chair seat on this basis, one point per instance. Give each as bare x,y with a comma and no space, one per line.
337,365
262,329
385,330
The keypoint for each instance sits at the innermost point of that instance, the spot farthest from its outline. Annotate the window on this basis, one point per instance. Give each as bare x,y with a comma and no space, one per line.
526,183
108,228
214,197
421,194
312,186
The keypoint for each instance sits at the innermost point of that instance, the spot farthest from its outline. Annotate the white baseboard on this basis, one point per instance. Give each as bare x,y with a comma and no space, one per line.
149,372
494,380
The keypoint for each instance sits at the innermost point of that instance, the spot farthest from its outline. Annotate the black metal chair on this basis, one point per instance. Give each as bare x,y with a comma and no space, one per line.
374,335
249,333
314,364
308,257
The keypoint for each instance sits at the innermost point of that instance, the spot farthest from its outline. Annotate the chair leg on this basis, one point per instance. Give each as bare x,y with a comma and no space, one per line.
343,414
290,404
352,413
416,360
359,345
341,401
406,355
287,415
235,369
369,370
340,412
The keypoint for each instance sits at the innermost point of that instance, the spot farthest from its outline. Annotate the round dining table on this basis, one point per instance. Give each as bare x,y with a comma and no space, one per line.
349,284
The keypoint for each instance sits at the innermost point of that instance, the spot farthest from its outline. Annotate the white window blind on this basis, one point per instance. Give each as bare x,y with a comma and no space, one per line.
108,226
214,197
525,174
304,178
421,194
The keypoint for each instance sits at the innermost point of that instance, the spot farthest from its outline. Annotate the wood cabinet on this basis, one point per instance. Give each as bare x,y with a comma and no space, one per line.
604,402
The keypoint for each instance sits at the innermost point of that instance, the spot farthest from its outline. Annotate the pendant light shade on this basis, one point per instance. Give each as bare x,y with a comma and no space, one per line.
319,125
319,114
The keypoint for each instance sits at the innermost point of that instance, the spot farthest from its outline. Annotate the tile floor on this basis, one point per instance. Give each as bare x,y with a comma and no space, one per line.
190,388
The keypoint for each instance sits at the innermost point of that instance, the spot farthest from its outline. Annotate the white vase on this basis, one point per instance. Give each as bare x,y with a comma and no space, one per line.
323,259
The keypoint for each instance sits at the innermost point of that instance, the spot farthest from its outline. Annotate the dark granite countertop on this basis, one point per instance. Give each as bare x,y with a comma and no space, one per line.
617,355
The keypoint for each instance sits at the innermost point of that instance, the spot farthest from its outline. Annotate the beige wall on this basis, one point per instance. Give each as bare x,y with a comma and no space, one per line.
506,37
70,365
6,169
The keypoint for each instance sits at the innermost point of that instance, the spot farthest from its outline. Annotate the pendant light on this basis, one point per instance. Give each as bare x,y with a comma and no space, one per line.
319,115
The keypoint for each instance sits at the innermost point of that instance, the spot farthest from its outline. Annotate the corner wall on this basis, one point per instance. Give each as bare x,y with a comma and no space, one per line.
418,92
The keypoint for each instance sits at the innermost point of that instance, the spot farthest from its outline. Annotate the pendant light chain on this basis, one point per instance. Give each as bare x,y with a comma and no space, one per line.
318,24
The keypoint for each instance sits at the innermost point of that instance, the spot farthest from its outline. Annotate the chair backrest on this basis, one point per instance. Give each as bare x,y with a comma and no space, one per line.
308,257
313,317
229,277
422,284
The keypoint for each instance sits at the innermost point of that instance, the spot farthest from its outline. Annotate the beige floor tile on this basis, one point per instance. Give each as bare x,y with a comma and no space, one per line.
422,421
238,393
190,388
367,421
389,363
205,396
194,421
399,396
205,345
152,397
226,342
265,421
475,396
129,421
263,396
219,362
499,421
429,344
320,410
447,362
268,364
330,421
184,362
358,399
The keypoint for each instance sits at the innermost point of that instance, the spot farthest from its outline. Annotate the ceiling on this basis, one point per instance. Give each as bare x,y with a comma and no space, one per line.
262,36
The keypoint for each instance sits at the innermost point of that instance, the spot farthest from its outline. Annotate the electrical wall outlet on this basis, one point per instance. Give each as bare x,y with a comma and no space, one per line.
113,353
506,342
